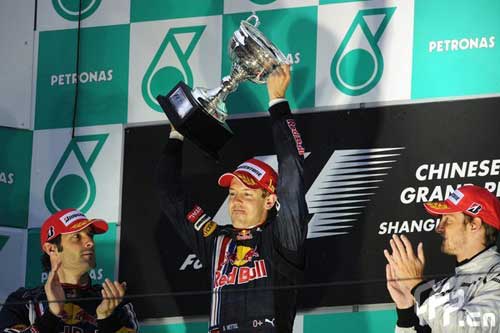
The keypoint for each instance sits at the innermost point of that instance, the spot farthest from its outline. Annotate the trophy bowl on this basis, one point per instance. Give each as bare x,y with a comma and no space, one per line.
200,114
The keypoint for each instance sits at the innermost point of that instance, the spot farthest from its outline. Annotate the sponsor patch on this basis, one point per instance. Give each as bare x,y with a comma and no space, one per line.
202,220
209,228
241,275
242,255
72,314
51,232
194,214
456,196
475,208
71,217
252,169
244,234
296,136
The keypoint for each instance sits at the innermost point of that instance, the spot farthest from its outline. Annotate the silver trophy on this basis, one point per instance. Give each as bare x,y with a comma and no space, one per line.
200,114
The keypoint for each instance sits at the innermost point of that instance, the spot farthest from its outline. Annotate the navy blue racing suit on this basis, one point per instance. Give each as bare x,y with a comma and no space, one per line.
253,272
26,310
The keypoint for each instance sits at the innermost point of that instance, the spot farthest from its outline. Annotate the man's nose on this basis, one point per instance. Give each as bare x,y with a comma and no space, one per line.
238,197
89,242
439,227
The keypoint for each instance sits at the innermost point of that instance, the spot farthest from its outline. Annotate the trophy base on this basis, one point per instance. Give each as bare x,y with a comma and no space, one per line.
189,118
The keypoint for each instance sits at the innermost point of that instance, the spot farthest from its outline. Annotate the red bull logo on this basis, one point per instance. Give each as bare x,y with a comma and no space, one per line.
244,234
242,255
241,275
73,314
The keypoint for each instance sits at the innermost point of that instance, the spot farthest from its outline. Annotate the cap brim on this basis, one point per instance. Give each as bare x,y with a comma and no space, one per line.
98,225
440,208
226,179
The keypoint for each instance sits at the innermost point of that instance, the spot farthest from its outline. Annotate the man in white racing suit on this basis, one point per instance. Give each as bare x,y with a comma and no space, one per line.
469,300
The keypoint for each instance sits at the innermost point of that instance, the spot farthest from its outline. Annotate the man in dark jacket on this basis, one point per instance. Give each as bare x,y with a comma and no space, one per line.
256,262
68,302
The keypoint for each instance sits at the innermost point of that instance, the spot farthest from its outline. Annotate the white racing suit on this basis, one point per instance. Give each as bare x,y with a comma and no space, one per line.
468,301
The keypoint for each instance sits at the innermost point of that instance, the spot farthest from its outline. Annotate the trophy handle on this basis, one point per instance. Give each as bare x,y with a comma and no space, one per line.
253,17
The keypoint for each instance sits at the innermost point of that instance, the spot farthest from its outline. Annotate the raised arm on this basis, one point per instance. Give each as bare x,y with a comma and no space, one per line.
290,227
193,225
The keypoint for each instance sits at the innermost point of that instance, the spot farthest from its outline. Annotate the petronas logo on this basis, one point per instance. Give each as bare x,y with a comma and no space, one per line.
3,241
71,10
170,64
72,184
358,63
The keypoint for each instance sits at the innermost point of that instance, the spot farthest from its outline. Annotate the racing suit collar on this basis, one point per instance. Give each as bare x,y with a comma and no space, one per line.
462,265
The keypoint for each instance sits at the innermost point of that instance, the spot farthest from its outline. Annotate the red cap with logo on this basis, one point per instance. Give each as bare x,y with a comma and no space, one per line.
471,200
254,174
68,221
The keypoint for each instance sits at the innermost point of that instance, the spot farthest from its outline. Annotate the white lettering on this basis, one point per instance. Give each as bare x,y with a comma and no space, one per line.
96,275
293,58
424,194
407,226
83,77
432,46
452,170
462,44
6,178
191,260
489,319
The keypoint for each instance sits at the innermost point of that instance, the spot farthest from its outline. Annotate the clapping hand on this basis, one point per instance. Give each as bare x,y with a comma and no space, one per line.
405,266
112,293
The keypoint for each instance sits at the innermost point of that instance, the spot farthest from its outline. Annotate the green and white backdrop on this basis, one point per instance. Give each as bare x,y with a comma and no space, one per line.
109,62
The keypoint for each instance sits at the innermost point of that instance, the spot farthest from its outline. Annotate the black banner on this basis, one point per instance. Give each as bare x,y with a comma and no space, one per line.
367,173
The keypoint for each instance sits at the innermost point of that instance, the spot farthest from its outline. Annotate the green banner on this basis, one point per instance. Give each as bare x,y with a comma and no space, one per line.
151,10
15,169
105,249
455,50
363,321
101,74
293,31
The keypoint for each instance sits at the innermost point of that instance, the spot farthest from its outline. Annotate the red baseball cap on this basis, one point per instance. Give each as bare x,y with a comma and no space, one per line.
68,221
252,173
471,200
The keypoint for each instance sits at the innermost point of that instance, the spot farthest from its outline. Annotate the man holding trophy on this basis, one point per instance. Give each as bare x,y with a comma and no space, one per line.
257,261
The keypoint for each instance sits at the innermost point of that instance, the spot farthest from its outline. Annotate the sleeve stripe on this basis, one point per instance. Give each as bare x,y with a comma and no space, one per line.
133,318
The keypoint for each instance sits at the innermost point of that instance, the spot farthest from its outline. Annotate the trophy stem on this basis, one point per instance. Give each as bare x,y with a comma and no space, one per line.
229,84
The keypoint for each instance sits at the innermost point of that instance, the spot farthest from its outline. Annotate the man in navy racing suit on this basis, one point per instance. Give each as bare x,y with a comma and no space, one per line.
256,262
68,302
